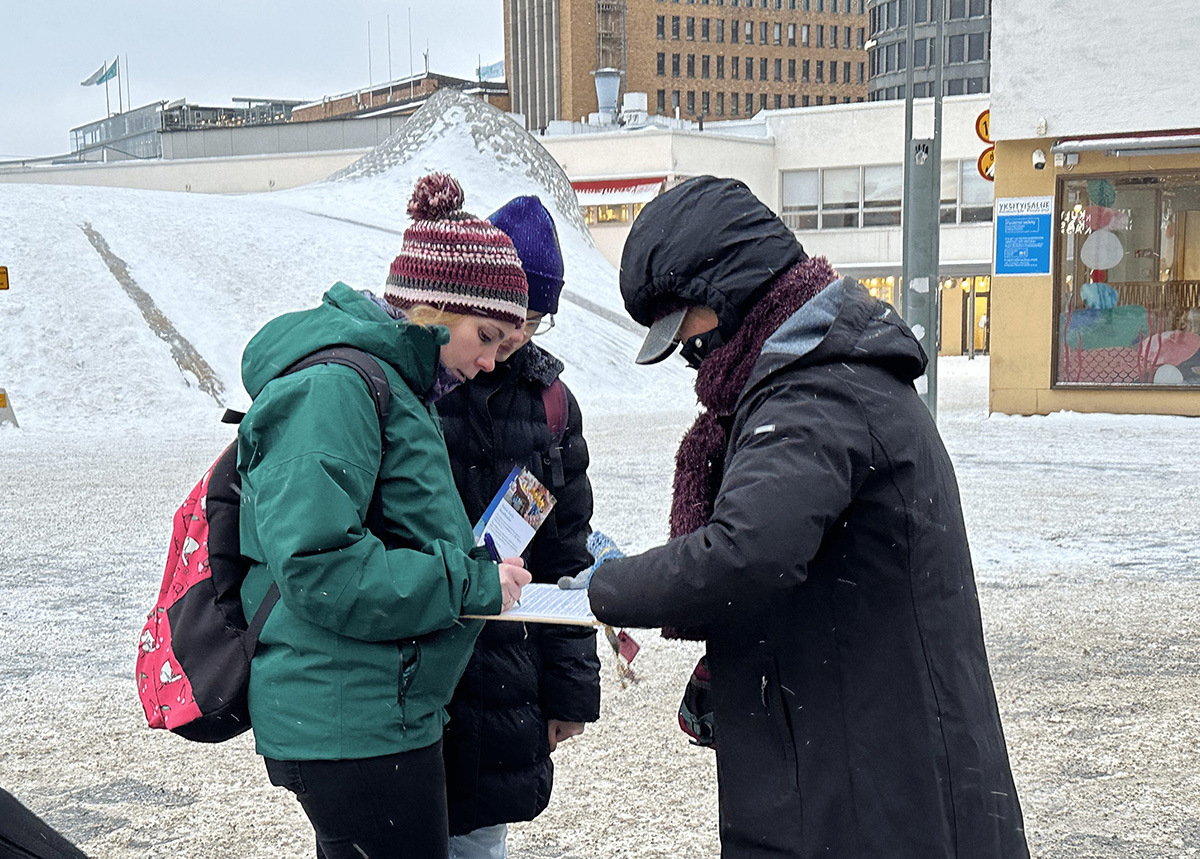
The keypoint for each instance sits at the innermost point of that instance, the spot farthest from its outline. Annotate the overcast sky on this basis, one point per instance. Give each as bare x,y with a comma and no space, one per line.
211,51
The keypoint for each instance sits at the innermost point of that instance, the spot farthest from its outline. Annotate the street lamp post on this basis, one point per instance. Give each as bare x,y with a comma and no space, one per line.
922,203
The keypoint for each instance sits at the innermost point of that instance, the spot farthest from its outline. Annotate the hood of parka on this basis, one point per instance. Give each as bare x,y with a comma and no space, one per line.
708,241
842,324
345,317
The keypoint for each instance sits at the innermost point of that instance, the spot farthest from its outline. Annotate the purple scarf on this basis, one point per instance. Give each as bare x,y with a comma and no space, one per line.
699,462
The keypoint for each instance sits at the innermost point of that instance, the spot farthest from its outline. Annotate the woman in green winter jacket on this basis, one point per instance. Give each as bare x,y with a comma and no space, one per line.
365,535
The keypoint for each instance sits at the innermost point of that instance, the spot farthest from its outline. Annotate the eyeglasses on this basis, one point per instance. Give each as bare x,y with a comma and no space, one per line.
541,325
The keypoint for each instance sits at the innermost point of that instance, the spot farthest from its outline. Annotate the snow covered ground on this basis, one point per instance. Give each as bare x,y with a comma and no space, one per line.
1083,529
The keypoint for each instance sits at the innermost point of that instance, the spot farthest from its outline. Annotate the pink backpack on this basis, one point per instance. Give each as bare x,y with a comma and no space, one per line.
194,653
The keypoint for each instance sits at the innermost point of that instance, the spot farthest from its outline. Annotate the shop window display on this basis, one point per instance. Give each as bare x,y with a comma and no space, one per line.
1128,281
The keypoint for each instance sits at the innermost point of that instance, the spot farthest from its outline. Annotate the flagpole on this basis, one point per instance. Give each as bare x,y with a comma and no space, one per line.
107,106
128,97
120,98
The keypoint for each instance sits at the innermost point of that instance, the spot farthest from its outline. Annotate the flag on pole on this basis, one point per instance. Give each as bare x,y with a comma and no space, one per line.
110,74
493,72
104,74
94,78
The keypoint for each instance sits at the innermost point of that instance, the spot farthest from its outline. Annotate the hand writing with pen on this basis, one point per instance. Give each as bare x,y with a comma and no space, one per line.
513,575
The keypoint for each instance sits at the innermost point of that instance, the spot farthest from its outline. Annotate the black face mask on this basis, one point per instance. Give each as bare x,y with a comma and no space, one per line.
697,348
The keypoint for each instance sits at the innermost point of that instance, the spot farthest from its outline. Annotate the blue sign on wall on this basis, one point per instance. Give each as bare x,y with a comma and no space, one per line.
1023,235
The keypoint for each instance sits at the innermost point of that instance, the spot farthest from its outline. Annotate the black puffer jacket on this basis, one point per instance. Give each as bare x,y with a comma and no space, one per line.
853,705
496,746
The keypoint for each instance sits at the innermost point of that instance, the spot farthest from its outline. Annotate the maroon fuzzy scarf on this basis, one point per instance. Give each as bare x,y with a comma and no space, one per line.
722,376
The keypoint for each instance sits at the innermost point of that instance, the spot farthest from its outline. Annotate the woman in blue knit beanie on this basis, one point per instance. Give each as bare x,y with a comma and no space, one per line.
528,686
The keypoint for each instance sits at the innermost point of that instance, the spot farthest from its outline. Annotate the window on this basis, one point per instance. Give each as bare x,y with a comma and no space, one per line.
839,196
733,103
674,65
846,72
762,101
779,70
820,99
762,69
919,57
660,27
791,70
955,49
691,103
882,192
861,73
833,36
720,29
721,67
733,33
662,64
820,35
1131,329
735,68
820,71
976,85
749,68
889,58
750,33
975,47
804,35
778,101
778,34
762,32
691,29
691,65
675,27
749,103
705,107
833,72
791,101
958,9
704,29
804,101
720,104
901,55
674,100
791,33
804,67
957,86
845,37
661,101
978,8
820,5
833,6
704,61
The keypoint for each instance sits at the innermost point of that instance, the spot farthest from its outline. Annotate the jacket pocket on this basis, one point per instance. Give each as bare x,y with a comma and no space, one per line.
778,701
410,661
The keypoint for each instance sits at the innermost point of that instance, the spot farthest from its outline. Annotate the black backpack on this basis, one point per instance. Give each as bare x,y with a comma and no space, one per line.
193,663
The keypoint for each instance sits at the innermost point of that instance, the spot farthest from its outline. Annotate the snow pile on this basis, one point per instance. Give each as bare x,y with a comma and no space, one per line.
91,341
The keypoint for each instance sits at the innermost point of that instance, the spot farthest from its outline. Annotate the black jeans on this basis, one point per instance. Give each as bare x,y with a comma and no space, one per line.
390,807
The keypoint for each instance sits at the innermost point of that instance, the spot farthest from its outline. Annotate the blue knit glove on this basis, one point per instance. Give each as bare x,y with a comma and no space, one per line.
603,549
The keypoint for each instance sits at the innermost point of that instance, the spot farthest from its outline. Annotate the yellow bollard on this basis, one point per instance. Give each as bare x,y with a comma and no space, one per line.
3,277
6,411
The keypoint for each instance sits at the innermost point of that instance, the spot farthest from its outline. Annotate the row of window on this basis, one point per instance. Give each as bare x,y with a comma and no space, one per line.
713,29
714,104
950,86
847,7
841,197
966,48
682,66
894,13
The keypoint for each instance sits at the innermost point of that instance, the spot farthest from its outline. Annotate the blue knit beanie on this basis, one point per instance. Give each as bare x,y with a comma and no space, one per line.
526,221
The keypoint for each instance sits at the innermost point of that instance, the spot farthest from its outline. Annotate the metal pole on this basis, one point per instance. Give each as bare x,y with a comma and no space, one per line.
922,203
971,321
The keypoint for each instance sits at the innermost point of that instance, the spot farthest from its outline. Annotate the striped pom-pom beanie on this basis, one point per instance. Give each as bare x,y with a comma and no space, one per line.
454,261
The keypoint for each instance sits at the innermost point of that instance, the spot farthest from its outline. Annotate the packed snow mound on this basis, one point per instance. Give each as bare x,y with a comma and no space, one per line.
502,145
129,309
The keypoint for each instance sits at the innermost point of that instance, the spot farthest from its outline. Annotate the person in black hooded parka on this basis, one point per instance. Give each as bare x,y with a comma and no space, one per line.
818,548
527,686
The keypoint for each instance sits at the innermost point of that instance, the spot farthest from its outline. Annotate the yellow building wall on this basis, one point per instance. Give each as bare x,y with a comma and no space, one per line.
1022,307
952,301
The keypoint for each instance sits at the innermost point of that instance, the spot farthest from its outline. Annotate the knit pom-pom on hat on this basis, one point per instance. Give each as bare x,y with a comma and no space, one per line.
454,261
436,196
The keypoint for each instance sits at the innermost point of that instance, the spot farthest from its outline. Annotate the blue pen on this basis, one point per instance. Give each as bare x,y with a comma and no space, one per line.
491,547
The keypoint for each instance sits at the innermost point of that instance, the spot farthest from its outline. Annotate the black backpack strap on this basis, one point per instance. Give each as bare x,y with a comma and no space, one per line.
368,367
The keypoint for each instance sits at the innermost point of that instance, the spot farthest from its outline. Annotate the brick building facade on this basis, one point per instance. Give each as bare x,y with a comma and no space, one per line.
719,59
